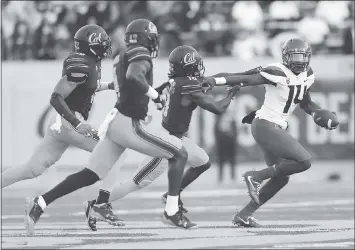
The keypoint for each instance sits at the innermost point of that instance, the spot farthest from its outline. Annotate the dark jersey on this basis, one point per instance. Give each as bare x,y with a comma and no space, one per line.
132,103
178,110
89,69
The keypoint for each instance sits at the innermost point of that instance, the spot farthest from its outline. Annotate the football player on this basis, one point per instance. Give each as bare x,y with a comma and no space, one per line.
72,98
287,84
123,128
184,94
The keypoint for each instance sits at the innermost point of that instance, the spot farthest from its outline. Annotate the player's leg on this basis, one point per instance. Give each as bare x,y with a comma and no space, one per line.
88,144
49,151
103,157
149,169
267,191
198,162
160,144
278,141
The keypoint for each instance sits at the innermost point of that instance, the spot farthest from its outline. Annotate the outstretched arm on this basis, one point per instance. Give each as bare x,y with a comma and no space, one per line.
208,103
240,80
248,72
105,86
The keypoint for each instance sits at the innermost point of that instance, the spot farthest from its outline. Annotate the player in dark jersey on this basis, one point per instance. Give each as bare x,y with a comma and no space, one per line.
184,94
124,128
72,99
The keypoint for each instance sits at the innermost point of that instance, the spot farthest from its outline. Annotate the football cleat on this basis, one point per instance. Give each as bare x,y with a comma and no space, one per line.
178,220
181,205
90,221
103,212
33,212
245,222
253,186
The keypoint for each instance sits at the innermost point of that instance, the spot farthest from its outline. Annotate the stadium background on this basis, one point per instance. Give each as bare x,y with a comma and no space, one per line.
36,36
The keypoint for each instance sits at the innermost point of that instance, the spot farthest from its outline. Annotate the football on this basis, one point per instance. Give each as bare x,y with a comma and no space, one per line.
325,118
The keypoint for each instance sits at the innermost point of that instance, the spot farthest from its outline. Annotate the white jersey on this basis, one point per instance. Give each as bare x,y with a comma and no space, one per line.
282,97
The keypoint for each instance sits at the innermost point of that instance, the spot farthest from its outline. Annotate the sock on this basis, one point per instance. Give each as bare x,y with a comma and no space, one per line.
172,205
271,187
192,173
73,182
175,174
121,190
285,168
103,196
41,202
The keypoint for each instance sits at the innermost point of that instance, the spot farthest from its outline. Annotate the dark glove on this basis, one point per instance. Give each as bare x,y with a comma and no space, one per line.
248,119
161,88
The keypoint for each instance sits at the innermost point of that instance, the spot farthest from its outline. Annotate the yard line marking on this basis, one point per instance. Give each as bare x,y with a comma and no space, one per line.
221,208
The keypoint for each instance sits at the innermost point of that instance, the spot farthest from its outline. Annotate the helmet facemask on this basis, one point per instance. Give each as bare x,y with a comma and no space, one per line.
298,62
101,49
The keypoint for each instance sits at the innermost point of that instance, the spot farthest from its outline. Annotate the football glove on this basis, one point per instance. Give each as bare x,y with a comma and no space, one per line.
160,101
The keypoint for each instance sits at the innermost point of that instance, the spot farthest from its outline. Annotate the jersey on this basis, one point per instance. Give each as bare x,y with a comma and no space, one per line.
86,70
178,111
132,103
284,93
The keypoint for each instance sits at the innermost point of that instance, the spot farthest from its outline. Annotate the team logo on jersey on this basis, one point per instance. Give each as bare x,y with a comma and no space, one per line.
94,38
189,59
152,28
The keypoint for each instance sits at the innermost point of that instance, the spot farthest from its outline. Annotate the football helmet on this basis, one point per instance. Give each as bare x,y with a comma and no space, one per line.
296,55
93,40
143,32
185,61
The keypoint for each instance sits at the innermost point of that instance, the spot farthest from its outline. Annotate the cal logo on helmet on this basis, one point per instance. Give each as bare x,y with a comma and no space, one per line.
152,28
94,38
189,59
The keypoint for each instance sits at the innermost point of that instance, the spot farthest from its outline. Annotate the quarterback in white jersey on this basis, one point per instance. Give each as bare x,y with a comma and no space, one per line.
287,84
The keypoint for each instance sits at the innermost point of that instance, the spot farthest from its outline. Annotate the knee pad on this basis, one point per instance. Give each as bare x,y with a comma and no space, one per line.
181,154
205,166
38,167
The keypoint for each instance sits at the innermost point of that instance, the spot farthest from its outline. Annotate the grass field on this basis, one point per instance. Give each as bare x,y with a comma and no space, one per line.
311,212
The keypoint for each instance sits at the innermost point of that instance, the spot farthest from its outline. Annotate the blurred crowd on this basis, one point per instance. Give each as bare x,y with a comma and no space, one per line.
245,29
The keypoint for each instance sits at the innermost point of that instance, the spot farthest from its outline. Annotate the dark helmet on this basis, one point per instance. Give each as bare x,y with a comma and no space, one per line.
185,61
296,55
93,40
143,32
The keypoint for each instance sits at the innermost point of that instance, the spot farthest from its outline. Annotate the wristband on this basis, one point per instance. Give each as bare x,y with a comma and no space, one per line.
78,125
152,93
220,80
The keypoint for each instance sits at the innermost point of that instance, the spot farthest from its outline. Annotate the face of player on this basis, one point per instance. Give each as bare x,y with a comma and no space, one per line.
298,62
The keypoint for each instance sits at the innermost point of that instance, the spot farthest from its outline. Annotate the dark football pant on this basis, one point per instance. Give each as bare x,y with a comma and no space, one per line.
277,145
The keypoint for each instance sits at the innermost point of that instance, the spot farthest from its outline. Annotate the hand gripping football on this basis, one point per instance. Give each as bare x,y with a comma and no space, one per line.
325,119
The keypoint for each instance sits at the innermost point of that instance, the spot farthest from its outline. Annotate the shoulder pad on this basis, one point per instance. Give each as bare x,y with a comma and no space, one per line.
76,67
273,70
274,74
138,53
76,63
189,85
